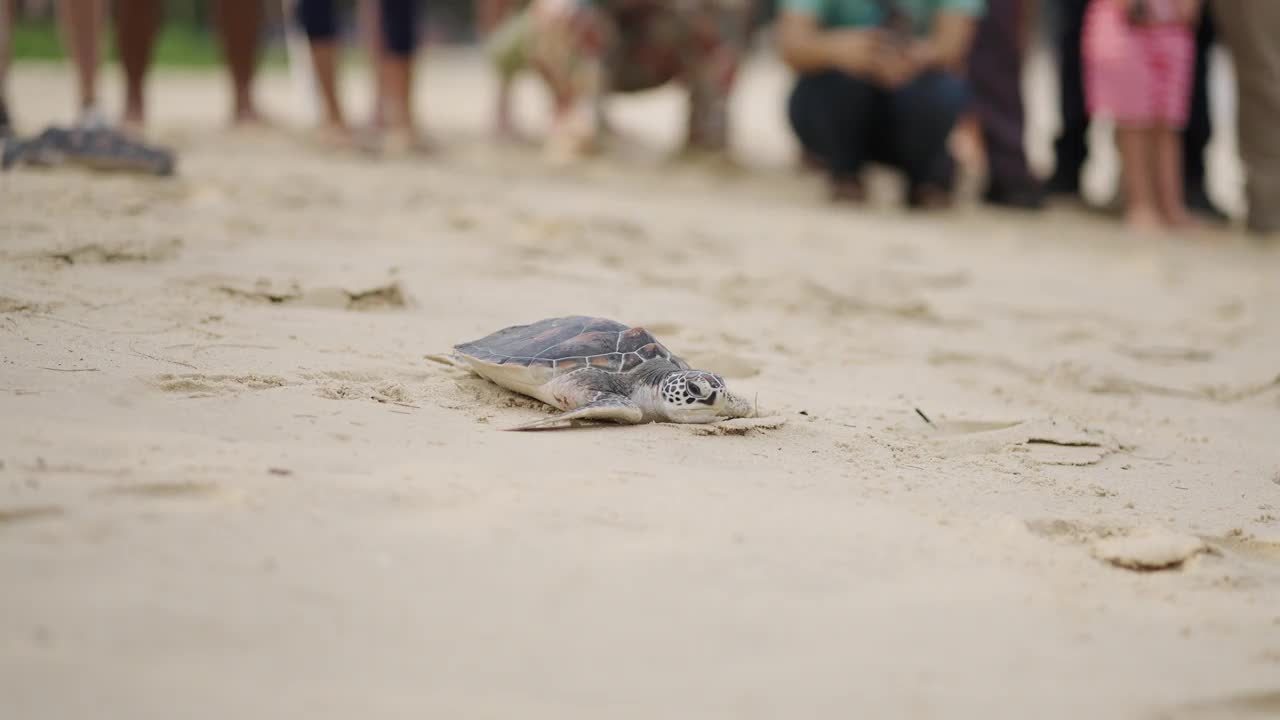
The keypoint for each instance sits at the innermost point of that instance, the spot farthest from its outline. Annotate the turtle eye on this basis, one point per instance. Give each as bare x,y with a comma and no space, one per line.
697,389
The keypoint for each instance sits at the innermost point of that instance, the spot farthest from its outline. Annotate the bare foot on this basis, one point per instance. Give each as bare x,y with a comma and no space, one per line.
561,151
396,142
133,125
715,159
248,118
1142,219
408,141
334,135
507,133
568,142
1180,219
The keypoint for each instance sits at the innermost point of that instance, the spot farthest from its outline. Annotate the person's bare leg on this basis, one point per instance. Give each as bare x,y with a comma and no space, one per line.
324,60
396,75
239,28
504,115
137,24
1168,176
370,23
1141,211
399,23
495,16
397,94
80,24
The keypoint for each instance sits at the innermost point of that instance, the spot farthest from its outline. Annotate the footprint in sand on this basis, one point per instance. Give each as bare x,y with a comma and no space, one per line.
944,358
16,305
1263,705
965,427
1149,549
17,515
1046,441
1140,549
173,495
1251,548
1166,355
115,252
350,385
178,495
381,297
175,490
1116,384
200,385
807,297
737,426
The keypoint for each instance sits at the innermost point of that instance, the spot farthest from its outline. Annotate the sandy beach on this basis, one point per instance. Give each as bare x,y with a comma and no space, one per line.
240,478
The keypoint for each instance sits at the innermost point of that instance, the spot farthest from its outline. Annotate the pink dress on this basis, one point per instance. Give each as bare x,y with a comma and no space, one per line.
1136,75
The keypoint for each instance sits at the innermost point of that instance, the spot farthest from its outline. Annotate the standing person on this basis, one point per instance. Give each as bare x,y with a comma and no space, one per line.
1138,70
1071,148
239,26
879,88
995,71
92,141
1250,29
398,21
137,25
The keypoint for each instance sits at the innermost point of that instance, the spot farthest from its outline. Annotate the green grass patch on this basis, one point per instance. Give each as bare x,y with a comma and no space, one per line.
179,45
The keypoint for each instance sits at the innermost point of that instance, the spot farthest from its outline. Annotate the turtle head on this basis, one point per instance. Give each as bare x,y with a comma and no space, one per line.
698,396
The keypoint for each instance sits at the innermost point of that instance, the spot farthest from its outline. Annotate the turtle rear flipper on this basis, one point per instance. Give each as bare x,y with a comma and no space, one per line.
44,150
9,152
93,148
605,407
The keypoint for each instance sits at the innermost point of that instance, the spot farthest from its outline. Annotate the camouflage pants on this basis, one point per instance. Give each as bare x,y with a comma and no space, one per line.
592,49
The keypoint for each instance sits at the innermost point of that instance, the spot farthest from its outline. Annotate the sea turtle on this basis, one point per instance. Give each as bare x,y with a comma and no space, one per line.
598,369
90,147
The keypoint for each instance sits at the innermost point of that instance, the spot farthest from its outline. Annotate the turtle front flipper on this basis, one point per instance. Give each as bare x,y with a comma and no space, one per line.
610,407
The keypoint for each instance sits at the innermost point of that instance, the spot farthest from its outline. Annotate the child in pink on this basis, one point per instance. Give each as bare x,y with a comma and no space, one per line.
1138,61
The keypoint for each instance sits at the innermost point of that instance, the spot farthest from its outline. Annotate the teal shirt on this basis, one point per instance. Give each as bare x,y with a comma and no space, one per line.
866,13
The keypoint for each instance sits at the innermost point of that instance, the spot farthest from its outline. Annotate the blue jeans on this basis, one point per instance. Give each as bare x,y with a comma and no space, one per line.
846,122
